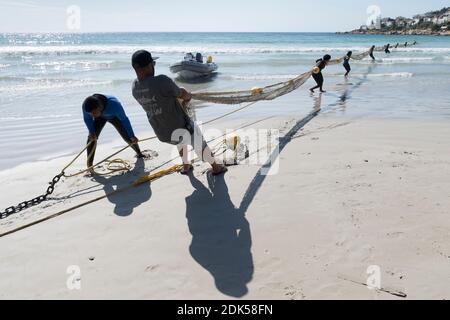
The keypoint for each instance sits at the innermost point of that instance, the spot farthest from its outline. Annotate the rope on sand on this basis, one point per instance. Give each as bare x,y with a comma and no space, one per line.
145,179
137,183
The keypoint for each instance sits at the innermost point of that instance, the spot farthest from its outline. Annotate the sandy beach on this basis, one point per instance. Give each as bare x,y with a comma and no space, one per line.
350,193
330,177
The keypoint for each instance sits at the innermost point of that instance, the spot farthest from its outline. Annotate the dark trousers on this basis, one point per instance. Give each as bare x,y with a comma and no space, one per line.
319,79
99,124
347,68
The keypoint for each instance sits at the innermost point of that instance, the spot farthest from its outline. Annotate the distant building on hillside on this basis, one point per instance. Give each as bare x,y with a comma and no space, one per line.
375,24
431,23
387,22
417,19
402,21
443,19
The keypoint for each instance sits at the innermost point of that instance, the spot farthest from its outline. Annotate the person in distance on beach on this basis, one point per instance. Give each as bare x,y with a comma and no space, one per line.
158,96
386,48
99,109
317,72
371,52
346,63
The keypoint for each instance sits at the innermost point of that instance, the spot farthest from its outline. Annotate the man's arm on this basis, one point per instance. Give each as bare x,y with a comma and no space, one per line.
121,115
170,89
89,123
186,96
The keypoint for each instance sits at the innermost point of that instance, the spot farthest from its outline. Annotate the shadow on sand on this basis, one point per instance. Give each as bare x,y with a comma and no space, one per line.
221,239
221,236
124,206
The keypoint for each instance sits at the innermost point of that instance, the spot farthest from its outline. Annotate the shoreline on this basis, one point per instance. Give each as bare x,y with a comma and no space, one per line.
113,144
398,33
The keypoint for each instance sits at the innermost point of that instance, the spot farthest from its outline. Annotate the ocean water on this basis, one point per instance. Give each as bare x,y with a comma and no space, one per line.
45,77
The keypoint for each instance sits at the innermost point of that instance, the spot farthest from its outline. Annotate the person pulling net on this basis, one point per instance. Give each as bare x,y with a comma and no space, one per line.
386,47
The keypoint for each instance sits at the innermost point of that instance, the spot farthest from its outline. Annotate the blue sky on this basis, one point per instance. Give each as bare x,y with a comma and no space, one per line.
183,15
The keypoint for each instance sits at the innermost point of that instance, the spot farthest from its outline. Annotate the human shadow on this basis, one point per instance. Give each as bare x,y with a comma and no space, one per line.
221,237
126,202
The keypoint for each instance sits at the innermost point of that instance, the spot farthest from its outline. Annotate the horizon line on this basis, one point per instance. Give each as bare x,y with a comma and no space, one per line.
104,32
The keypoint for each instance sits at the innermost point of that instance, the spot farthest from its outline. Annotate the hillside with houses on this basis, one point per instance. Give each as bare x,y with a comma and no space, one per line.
430,23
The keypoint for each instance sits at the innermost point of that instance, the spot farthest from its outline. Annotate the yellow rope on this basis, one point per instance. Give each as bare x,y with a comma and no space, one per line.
138,182
157,175
121,164
125,164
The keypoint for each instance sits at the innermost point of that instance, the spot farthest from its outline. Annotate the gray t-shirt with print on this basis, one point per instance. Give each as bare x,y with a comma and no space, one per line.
158,96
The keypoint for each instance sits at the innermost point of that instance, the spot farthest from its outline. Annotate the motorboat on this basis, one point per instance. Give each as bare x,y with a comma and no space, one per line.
193,67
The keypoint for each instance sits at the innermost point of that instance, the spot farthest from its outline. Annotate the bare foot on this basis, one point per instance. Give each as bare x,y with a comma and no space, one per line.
187,168
89,174
147,155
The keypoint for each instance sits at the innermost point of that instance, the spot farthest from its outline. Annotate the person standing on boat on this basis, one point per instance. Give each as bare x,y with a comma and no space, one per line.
317,72
199,57
346,63
158,96
99,109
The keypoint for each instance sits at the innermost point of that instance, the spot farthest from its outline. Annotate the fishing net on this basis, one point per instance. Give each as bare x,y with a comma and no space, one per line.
358,56
335,61
394,46
361,55
273,91
256,94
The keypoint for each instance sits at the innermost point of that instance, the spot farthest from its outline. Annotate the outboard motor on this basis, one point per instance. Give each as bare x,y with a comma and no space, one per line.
189,57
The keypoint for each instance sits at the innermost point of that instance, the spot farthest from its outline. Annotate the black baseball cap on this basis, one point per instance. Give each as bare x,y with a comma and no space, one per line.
142,58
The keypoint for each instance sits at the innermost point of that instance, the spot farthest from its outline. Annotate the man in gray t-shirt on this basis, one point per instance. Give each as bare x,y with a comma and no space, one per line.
159,95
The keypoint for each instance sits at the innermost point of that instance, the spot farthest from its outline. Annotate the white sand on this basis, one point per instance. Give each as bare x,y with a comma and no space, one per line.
349,194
